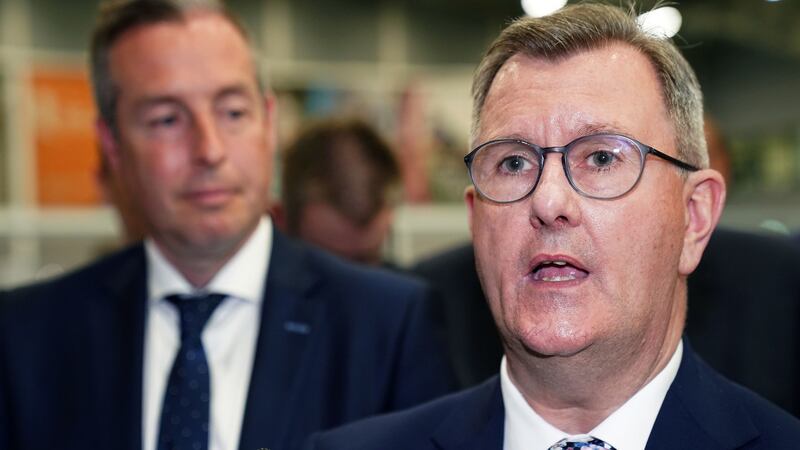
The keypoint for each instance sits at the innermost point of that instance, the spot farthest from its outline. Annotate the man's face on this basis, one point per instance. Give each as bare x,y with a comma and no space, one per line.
194,141
624,254
323,225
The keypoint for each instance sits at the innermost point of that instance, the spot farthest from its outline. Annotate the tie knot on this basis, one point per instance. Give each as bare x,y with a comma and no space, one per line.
582,442
195,311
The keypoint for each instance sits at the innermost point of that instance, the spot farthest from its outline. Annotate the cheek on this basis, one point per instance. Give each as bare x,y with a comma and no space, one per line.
157,162
254,164
642,246
500,234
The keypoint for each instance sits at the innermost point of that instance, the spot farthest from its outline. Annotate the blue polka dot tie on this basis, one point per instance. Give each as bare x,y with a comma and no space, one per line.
582,442
185,412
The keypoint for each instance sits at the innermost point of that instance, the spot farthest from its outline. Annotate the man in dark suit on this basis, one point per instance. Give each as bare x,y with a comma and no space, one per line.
217,332
730,322
591,204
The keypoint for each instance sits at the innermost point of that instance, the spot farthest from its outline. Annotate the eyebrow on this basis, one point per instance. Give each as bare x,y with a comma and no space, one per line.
234,90
583,130
150,102
156,100
601,128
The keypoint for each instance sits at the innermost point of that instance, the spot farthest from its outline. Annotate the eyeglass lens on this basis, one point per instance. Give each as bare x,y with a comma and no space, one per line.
600,166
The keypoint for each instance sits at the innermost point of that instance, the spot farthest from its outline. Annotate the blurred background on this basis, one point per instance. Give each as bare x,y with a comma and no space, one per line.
403,66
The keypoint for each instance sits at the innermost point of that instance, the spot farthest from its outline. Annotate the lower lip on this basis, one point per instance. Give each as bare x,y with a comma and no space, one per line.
565,283
210,198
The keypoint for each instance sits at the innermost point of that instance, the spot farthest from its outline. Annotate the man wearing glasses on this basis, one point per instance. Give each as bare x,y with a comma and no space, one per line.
584,236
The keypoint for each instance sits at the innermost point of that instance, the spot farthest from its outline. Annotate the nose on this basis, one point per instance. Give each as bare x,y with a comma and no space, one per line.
554,203
208,148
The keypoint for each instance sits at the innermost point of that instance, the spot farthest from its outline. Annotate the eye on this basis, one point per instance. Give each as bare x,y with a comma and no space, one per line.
163,121
515,164
235,114
602,158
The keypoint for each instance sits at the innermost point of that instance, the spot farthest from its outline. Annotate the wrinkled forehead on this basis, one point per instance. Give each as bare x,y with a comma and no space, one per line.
613,88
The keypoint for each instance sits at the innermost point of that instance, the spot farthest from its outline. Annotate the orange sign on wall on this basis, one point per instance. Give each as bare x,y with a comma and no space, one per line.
66,147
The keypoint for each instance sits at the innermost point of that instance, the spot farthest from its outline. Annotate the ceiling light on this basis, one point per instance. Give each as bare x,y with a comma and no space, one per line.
661,22
541,8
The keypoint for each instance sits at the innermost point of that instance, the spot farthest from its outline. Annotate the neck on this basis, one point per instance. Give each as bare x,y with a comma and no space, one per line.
199,264
576,393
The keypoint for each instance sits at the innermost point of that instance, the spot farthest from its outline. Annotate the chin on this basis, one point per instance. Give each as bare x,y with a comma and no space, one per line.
556,340
216,236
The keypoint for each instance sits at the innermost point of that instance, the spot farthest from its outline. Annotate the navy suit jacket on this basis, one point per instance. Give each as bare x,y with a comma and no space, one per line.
336,343
702,410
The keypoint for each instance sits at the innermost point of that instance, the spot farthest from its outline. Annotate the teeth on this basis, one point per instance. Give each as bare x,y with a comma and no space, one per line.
560,263
569,277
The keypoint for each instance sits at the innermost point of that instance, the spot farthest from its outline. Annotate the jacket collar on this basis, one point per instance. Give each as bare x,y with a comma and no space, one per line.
699,411
117,321
476,424
288,314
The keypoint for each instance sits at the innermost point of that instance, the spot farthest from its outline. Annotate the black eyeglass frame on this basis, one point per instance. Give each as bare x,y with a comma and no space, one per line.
563,150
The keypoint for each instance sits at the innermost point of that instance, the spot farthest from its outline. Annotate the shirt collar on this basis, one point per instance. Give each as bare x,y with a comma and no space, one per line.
627,428
243,276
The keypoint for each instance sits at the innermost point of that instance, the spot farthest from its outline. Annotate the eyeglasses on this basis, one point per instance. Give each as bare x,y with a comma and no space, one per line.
601,166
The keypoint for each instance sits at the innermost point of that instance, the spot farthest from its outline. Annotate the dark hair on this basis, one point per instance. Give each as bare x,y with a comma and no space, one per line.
345,164
587,26
119,16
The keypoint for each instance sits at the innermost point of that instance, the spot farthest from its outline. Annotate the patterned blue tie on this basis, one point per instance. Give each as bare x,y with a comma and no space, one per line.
185,413
582,442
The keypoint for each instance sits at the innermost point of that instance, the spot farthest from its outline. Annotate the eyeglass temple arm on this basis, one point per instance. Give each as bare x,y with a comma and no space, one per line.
677,162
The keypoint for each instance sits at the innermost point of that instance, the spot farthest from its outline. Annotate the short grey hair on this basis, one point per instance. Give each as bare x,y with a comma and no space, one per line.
588,26
117,17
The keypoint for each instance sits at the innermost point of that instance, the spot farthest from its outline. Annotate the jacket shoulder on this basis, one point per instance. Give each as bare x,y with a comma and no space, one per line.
79,283
417,427
776,428
704,409
354,282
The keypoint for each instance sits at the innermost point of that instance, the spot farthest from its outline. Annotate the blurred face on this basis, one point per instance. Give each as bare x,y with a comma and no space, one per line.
324,226
194,141
564,273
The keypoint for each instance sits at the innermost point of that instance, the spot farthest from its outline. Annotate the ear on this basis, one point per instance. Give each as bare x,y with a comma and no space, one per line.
270,116
109,146
278,214
469,199
704,196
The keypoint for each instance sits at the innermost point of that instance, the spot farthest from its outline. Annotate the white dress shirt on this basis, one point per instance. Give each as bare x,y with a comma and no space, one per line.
229,337
627,428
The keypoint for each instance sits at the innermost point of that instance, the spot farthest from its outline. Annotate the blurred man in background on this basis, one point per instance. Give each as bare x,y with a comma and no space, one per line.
339,188
217,332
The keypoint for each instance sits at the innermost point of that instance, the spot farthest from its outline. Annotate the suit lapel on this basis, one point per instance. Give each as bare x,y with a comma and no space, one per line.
477,424
696,410
116,348
286,327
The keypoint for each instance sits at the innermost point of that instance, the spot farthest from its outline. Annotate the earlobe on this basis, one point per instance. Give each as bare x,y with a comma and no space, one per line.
278,214
108,143
270,118
704,198
469,199
268,103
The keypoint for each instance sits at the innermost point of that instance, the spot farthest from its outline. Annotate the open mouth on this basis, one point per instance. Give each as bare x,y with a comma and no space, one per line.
557,271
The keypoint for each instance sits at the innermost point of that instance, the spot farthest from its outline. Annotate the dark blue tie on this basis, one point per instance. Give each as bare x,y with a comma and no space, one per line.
185,412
